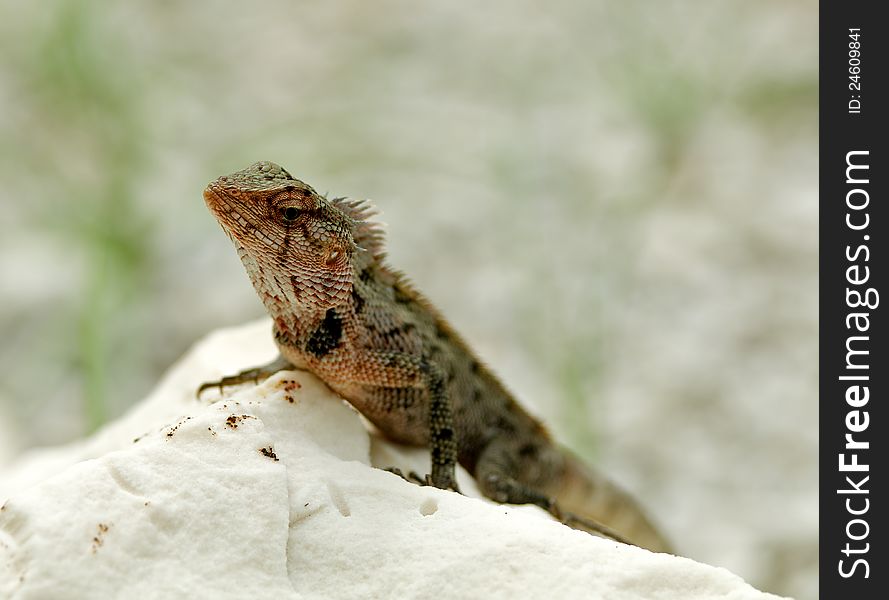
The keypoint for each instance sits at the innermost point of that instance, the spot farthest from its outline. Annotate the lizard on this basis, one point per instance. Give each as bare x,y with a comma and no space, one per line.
340,312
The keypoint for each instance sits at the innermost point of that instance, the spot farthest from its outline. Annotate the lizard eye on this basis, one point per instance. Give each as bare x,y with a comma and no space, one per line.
290,213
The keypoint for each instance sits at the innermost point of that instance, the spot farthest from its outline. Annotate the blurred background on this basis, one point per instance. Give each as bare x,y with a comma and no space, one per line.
614,202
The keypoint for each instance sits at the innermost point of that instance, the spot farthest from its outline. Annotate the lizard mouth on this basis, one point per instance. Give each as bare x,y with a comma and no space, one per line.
226,211
215,200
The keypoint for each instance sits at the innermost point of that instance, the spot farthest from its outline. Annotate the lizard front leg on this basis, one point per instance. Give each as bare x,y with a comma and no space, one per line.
254,375
393,370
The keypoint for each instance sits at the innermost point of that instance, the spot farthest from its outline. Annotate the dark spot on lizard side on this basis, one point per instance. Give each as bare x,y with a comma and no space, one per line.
505,425
328,335
528,450
365,275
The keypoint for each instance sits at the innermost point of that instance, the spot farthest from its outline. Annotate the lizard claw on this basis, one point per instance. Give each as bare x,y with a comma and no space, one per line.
414,477
411,477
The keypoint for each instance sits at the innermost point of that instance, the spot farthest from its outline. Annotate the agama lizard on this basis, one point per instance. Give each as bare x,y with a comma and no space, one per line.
341,313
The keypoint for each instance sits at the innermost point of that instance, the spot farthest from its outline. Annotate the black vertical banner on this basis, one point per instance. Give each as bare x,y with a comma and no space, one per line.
854,269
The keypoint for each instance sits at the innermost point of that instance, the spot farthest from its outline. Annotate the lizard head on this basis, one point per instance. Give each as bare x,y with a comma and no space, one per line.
295,244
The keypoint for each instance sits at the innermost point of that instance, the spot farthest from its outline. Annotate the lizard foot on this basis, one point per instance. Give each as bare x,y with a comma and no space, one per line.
414,477
444,481
254,375
411,477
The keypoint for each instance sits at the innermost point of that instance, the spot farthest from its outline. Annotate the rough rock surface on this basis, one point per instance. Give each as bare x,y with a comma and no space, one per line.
268,493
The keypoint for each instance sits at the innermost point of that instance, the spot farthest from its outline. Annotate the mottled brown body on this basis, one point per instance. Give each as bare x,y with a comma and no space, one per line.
342,314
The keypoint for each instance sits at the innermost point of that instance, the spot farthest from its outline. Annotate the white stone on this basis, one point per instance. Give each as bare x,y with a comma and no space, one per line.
269,493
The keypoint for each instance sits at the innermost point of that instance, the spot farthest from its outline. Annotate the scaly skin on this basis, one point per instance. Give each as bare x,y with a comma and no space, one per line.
341,313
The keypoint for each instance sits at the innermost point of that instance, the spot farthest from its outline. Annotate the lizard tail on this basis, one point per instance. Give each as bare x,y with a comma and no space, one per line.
586,493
